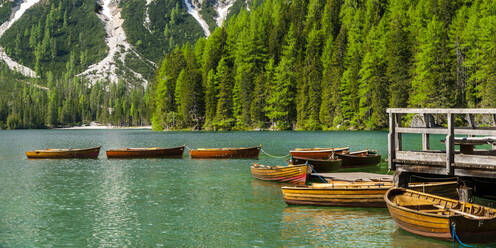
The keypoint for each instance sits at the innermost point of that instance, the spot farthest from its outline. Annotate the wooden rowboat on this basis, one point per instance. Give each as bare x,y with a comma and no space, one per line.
359,158
65,153
318,153
242,152
319,165
155,152
351,194
438,217
296,174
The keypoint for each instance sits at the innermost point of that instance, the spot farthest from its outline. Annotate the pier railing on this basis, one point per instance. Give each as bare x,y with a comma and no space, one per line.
464,162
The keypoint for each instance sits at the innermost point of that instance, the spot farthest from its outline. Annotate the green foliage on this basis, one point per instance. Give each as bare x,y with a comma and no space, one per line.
49,33
312,64
28,103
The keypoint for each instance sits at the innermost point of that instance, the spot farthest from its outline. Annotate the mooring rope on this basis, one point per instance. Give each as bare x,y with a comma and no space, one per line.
272,156
323,180
187,147
453,234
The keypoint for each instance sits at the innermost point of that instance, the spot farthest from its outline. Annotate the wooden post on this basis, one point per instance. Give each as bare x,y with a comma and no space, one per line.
426,136
391,141
450,145
398,143
400,179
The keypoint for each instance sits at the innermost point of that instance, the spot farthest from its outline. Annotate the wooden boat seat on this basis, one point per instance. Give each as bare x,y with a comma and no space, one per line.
442,211
422,207
406,201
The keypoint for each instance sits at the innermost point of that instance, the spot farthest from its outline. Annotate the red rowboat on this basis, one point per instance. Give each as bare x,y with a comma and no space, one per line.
155,152
242,152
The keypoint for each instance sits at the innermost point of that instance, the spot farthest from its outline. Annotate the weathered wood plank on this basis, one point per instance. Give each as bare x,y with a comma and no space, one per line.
421,156
441,111
421,130
476,160
461,131
356,176
438,159
461,172
450,144
398,137
391,142
426,136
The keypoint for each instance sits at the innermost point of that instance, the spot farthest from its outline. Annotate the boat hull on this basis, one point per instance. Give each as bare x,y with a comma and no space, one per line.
318,153
296,174
64,153
359,160
345,195
172,152
319,165
434,217
351,194
244,152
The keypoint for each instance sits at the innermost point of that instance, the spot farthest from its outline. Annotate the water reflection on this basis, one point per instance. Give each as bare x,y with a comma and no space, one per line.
403,239
177,202
113,214
339,227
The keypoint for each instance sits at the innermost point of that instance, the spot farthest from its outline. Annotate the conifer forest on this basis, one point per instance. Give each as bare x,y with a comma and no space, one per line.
277,64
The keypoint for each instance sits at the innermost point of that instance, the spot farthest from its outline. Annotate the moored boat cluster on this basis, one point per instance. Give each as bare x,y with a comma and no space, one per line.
428,209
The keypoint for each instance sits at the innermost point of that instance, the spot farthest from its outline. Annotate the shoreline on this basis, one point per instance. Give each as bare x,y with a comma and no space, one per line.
103,127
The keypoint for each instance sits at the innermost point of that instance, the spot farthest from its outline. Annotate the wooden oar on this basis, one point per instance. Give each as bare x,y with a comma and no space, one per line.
463,213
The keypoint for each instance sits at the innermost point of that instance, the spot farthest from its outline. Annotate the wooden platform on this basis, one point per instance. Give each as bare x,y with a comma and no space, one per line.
356,177
463,162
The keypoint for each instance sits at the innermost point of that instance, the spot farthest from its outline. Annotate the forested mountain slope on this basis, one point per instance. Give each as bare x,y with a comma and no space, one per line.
330,64
102,39
93,59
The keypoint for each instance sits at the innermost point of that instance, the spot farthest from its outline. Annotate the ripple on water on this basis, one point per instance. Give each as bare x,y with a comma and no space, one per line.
175,202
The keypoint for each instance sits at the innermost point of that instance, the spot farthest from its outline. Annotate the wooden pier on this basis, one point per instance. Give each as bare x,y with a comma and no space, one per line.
459,158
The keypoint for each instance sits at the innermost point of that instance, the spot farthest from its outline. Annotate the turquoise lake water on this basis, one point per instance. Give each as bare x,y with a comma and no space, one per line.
178,202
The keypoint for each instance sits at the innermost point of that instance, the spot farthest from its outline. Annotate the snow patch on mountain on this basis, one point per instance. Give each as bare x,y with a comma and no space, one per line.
147,23
119,48
222,9
194,10
17,13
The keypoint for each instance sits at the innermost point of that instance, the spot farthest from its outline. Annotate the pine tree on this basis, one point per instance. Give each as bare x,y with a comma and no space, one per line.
52,102
309,94
373,82
433,82
349,82
398,55
210,100
280,101
225,83
166,83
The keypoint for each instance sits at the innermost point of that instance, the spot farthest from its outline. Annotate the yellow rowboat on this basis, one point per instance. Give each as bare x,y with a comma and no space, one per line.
318,153
351,194
441,218
65,153
296,174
